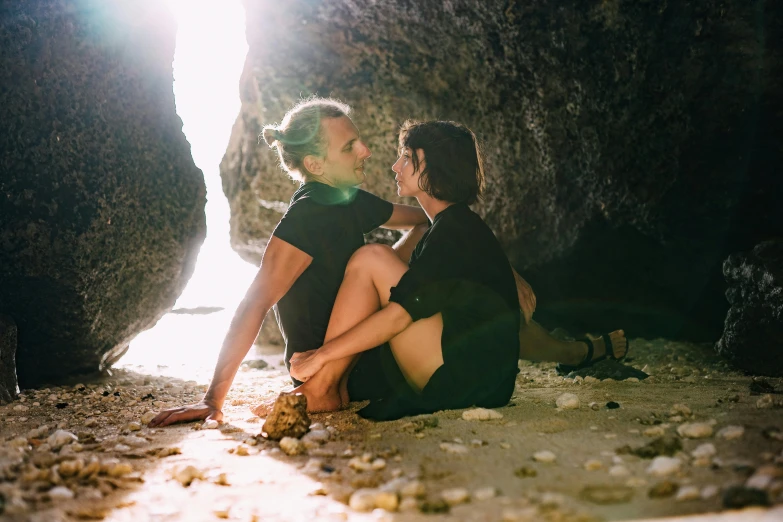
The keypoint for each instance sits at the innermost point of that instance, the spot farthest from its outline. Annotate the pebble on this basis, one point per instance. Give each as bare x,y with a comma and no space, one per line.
686,493
363,499
681,410
664,489
662,466
187,475
607,494
455,496
695,430
765,401
69,468
481,414
529,514
454,448
706,450
655,431
292,446
60,438
484,493
210,424
567,401
119,470
709,491
60,493
593,465
594,406
731,432
544,456
619,471
133,426
147,417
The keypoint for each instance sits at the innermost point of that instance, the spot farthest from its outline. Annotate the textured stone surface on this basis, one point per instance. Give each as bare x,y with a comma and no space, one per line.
102,206
753,333
9,387
288,417
630,146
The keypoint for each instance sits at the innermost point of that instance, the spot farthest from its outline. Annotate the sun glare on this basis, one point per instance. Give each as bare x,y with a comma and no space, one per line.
209,57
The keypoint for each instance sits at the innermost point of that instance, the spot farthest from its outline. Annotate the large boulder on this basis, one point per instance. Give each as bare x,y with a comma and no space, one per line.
102,206
630,146
753,334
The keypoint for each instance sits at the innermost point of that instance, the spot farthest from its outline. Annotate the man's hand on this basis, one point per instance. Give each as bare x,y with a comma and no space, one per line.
527,299
200,411
305,364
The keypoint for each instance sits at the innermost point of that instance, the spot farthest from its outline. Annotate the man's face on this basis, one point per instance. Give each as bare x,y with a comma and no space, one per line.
345,153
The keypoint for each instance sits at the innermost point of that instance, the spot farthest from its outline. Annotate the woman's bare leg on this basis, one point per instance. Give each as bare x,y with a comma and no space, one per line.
537,344
371,273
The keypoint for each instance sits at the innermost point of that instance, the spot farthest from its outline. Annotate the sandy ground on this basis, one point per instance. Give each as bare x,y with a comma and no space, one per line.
120,470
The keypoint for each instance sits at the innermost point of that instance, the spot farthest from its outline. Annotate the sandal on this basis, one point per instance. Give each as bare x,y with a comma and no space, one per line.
588,360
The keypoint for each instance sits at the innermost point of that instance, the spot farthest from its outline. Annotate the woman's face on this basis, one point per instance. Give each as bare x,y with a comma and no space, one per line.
406,176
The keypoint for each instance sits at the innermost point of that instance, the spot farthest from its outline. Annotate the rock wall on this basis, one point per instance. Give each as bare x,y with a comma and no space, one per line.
102,206
753,335
630,146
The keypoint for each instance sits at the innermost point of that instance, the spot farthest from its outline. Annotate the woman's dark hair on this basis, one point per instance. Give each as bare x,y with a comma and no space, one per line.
454,169
300,133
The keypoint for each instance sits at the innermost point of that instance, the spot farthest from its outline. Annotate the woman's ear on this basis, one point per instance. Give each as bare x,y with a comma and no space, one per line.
314,165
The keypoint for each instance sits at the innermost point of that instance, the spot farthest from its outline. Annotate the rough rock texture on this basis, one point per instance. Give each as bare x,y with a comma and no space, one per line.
9,389
630,146
288,417
102,206
753,334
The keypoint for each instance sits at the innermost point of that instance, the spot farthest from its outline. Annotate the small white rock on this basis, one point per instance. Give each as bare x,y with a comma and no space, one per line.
413,489
706,450
695,430
709,491
731,432
363,499
619,470
187,475
454,448
655,431
60,493
686,493
60,438
662,466
455,496
484,493
481,414
765,401
210,424
568,401
593,465
544,456
292,446
147,417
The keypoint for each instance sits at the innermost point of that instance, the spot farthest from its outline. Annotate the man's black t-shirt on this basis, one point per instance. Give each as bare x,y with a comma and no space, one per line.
459,269
329,225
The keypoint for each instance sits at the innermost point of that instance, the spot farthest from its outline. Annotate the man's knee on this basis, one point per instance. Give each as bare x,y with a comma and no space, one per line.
369,255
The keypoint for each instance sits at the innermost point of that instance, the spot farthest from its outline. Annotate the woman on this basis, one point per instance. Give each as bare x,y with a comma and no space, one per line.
305,259
447,326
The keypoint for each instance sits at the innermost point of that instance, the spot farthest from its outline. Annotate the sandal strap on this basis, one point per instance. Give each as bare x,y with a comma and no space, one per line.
608,346
590,350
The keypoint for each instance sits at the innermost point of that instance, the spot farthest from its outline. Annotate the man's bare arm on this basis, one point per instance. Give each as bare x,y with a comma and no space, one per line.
405,217
281,267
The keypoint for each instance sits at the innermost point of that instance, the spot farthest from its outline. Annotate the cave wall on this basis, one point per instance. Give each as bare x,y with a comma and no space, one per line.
102,206
630,146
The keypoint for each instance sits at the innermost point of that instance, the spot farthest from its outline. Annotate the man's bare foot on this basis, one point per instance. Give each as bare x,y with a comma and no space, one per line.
345,399
619,345
320,400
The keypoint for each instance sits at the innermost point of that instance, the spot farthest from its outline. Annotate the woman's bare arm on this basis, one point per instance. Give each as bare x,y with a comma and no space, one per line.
281,267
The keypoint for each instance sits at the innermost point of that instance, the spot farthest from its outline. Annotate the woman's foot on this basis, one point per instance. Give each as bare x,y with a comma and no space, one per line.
619,346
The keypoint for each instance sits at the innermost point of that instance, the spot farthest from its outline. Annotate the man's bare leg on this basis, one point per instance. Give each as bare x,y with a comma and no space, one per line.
537,344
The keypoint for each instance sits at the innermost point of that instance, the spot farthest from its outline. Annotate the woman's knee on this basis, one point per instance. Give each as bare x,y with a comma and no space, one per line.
370,255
